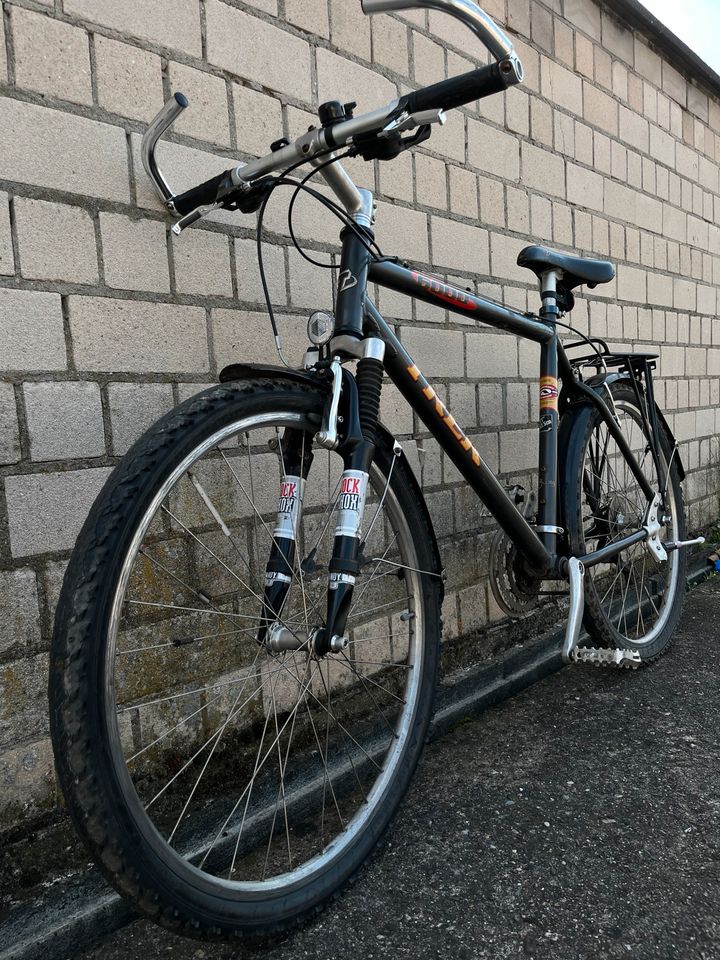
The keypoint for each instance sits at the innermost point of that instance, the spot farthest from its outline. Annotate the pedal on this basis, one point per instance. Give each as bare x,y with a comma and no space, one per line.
628,659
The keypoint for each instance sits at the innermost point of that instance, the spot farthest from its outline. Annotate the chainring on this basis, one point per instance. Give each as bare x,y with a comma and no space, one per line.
515,591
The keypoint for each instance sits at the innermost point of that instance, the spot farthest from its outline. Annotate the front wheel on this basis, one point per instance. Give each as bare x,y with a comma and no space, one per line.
633,602
225,788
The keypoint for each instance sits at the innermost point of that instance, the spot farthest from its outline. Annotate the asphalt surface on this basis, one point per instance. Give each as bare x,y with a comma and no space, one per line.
579,820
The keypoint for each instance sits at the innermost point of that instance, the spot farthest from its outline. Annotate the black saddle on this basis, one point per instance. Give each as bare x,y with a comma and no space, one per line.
576,270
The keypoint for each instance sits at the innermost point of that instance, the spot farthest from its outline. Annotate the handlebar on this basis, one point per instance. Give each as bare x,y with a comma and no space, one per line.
473,16
402,113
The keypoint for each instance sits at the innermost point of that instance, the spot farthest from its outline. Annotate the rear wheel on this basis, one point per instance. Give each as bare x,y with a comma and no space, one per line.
635,601
225,789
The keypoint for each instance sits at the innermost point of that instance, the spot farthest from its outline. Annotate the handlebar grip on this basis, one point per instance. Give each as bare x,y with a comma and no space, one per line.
199,196
458,91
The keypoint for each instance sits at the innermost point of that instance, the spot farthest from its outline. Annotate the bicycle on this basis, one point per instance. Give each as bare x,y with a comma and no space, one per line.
241,689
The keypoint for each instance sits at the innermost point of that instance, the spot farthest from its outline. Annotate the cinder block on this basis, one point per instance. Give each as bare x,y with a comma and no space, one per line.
46,510
428,59
134,253
56,241
463,192
23,696
62,151
438,353
207,116
241,44
202,263
310,286
129,79
248,272
632,284
390,44
27,775
431,179
9,432
518,450
134,408
561,86
7,257
51,57
174,23
493,151
350,28
31,331
584,187
136,337
64,420
600,110
542,170
402,232
491,355
341,79
310,15
258,119
459,245
240,336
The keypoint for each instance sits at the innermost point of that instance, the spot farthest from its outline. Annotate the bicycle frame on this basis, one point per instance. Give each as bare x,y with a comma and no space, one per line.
358,316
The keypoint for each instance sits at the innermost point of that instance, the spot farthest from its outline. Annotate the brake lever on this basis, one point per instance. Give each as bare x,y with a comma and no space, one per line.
409,121
190,218
246,199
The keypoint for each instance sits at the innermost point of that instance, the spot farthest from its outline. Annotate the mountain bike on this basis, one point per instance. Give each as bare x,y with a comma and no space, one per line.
247,641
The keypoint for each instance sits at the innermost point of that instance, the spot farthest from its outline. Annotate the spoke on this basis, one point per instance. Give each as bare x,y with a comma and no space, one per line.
349,665
122,708
200,750
218,738
380,504
219,613
356,600
197,593
184,643
381,606
328,712
334,717
213,554
370,693
215,514
242,795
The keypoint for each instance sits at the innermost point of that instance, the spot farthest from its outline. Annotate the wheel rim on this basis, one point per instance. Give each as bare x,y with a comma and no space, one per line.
634,592
346,771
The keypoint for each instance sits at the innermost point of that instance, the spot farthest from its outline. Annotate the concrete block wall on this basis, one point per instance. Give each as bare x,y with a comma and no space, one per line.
107,320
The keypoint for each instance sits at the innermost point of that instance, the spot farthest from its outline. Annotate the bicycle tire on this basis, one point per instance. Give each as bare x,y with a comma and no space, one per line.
615,617
145,869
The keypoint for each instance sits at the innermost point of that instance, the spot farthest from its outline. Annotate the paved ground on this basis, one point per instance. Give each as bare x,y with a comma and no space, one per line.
579,820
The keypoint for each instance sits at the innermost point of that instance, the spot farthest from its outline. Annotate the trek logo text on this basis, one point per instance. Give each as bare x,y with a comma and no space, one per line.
442,412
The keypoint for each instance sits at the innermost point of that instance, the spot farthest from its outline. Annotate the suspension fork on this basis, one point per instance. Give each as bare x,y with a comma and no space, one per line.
361,406
297,457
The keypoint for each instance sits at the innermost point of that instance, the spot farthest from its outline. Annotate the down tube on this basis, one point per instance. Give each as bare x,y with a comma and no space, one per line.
428,406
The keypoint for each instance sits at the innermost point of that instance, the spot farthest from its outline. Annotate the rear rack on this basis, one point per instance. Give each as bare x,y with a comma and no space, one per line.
604,357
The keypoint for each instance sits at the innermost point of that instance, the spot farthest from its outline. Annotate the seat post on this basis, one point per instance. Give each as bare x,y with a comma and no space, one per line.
547,527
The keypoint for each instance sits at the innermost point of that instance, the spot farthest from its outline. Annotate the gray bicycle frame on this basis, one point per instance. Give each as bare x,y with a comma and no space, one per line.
359,317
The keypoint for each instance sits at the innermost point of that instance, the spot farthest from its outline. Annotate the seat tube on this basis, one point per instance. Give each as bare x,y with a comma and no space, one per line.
352,279
547,521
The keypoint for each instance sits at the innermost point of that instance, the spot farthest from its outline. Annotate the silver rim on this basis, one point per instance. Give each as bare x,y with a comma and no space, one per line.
178,741
636,591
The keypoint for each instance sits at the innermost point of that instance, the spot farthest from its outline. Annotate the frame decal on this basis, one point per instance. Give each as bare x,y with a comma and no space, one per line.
548,393
442,412
443,291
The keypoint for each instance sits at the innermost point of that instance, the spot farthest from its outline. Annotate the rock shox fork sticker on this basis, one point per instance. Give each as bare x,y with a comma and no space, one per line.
292,490
548,393
351,503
